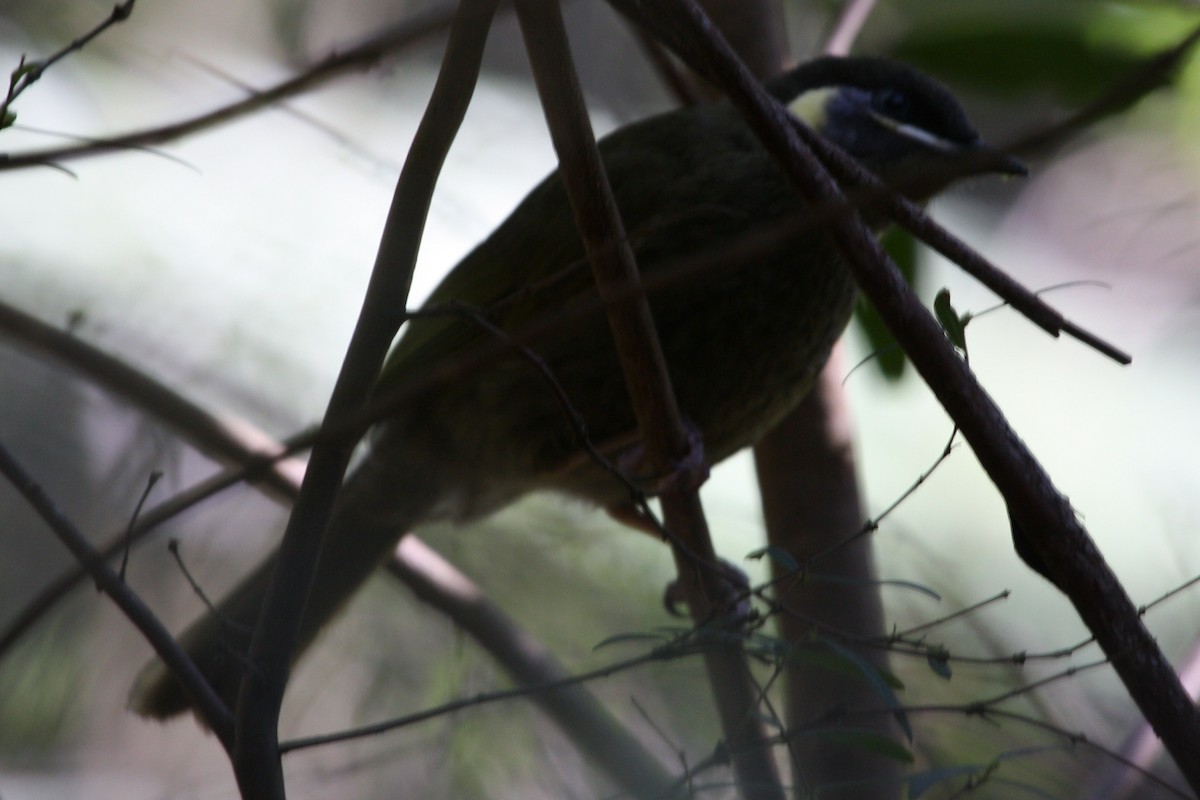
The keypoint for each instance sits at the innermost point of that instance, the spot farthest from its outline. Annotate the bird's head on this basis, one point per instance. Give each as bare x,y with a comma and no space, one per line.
904,126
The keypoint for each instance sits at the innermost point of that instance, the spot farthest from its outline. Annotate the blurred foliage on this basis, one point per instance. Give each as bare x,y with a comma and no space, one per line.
1076,50
40,687
902,248
1009,52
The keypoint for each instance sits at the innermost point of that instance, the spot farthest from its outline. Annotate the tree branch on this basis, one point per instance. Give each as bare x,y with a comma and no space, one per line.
660,424
359,56
204,699
256,753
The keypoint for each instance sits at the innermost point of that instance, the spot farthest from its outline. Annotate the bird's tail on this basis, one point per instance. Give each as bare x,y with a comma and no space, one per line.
380,502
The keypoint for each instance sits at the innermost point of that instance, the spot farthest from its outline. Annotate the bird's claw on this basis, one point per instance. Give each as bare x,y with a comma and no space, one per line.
735,606
690,471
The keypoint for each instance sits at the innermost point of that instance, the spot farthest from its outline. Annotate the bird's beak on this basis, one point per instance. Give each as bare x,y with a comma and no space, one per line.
974,158
982,157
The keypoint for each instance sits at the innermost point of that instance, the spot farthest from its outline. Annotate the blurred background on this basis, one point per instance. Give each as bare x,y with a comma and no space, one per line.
229,265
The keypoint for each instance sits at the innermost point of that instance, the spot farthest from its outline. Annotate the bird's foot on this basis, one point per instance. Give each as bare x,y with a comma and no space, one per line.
690,471
733,606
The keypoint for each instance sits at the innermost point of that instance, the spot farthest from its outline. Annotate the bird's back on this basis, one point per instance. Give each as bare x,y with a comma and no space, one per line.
742,338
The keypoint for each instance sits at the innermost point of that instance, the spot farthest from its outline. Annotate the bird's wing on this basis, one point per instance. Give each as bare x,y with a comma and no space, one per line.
535,261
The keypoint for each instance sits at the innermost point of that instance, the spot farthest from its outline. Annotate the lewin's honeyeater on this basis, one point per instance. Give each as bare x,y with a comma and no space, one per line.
742,343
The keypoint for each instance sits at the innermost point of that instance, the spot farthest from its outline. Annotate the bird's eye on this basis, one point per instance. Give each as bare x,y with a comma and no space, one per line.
891,102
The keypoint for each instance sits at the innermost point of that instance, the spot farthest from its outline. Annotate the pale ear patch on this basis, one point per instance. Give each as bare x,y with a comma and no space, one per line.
916,134
810,107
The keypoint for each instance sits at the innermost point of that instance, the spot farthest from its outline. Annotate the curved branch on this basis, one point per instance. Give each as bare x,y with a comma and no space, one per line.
360,56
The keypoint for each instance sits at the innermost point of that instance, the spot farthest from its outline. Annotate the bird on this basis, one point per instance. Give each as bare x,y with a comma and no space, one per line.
743,343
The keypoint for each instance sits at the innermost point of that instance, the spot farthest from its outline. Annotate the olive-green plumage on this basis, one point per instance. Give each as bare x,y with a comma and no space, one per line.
743,343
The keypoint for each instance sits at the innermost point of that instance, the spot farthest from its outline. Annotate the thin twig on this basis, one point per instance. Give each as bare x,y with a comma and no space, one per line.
223,439
206,702
680,85
150,482
962,612
849,24
660,423
867,190
1073,738
584,719
1152,75
262,460
360,56
28,73
661,653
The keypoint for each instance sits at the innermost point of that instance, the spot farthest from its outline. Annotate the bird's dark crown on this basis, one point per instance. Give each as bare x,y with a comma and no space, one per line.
878,110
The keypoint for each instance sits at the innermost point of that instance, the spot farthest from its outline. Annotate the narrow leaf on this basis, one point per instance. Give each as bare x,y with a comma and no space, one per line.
881,682
939,661
952,323
922,782
777,554
869,741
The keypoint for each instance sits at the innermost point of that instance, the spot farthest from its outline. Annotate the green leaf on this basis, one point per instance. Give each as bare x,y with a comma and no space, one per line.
1073,51
821,656
772,648
842,580
881,681
622,638
776,554
902,248
8,118
1031,750
954,325
869,741
25,69
1058,60
938,659
922,782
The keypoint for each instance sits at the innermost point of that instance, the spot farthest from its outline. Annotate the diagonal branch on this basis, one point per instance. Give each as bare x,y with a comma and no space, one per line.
256,752
866,188
1152,75
660,424
30,72
359,56
205,700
